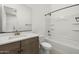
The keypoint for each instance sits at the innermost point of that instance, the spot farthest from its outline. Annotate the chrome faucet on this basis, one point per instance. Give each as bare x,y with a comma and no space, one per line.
16,31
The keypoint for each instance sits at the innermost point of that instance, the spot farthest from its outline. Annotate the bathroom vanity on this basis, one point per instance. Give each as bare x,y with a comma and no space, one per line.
15,22
20,44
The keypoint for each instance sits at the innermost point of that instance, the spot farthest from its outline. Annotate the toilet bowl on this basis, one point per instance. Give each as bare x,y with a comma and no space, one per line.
46,47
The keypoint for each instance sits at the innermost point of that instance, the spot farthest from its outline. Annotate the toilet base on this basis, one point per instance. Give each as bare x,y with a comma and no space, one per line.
44,51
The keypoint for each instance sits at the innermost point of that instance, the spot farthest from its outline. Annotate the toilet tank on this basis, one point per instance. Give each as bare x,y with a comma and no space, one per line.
43,38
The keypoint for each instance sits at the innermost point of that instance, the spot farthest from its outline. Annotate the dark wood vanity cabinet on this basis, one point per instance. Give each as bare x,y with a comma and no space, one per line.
26,46
10,48
30,46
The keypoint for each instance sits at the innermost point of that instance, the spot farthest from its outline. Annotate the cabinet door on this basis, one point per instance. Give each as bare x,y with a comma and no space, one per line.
10,48
30,46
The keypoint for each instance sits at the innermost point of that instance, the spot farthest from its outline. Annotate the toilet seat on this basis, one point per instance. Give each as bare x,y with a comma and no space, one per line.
46,45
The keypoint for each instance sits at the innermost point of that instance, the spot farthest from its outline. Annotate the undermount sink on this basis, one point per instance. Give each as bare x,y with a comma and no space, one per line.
17,36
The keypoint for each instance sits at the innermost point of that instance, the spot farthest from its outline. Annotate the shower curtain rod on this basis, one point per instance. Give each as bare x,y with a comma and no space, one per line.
61,9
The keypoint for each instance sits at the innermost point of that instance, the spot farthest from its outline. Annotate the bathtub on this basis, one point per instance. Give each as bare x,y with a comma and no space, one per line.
64,46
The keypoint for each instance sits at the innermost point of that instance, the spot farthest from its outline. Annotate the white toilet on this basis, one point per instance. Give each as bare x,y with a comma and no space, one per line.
45,45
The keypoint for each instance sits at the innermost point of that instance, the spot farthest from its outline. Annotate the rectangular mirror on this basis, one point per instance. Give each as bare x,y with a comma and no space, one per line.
15,17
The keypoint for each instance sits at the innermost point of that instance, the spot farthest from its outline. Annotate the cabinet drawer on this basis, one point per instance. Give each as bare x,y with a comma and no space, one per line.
30,45
10,46
30,41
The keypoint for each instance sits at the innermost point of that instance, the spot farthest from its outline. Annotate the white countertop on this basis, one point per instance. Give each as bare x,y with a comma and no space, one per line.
10,37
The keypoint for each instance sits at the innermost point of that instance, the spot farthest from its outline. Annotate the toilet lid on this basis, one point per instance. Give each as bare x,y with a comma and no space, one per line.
45,44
